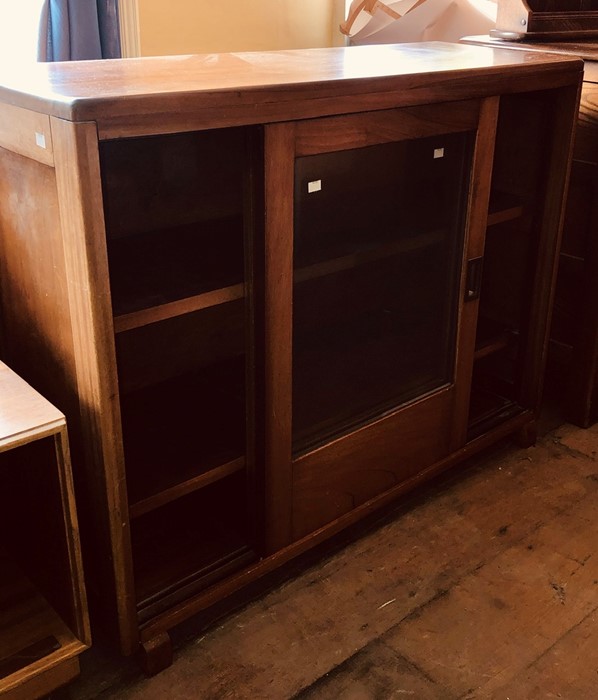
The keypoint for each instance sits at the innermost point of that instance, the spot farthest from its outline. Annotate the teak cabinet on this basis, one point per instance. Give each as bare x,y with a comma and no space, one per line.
44,623
275,292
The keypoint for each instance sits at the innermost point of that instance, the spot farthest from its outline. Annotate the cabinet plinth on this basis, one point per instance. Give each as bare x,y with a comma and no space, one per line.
277,294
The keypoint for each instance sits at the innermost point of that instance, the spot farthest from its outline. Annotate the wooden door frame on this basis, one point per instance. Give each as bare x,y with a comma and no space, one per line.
284,142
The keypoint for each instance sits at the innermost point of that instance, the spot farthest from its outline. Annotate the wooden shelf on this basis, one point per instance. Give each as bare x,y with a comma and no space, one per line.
151,354
154,314
34,637
191,542
503,207
170,493
182,263
182,435
346,262
491,337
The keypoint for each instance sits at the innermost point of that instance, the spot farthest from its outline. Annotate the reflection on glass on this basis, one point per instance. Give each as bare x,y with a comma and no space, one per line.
378,246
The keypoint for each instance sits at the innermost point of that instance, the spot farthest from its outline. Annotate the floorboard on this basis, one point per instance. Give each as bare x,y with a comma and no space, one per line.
486,588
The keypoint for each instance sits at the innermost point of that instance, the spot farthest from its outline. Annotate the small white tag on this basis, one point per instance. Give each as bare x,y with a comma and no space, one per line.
40,140
314,186
439,153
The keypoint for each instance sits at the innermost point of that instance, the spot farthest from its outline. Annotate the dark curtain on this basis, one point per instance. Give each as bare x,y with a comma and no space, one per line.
72,30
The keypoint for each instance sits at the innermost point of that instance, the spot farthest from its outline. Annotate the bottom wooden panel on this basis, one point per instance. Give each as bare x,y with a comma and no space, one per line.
46,681
334,479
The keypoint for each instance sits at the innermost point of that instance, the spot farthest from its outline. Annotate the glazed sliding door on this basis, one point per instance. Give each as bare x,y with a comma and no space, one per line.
378,243
372,359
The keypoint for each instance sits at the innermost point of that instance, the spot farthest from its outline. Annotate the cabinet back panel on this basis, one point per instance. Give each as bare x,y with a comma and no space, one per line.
181,428
158,182
33,524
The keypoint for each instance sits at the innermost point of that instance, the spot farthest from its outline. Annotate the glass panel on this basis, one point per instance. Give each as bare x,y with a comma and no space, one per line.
177,216
378,246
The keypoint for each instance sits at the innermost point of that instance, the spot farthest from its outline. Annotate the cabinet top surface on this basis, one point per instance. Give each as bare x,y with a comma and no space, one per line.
588,50
112,89
23,411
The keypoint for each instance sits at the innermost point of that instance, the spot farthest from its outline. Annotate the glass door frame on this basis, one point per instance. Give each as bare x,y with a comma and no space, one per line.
445,409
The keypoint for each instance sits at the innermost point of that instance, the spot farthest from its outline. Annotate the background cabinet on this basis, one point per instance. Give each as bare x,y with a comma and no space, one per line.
277,294
544,19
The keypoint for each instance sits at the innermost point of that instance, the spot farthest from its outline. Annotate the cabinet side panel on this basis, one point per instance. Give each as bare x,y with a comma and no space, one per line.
73,543
81,211
36,325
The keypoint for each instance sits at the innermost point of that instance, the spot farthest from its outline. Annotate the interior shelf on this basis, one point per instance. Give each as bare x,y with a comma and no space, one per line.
331,264
491,337
162,312
156,268
503,207
163,492
189,544
183,434
31,629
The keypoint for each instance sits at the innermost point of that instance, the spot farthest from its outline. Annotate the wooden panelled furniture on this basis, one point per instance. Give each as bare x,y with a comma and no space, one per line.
573,355
275,291
543,19
44,624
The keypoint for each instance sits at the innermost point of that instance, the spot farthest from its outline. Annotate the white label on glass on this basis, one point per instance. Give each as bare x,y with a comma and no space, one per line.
439,153
40,140
314,186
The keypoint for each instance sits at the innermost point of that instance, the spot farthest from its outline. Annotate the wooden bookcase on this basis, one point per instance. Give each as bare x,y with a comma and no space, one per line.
44,624
275,293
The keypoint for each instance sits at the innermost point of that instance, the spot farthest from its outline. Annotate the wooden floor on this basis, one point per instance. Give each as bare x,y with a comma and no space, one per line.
486,588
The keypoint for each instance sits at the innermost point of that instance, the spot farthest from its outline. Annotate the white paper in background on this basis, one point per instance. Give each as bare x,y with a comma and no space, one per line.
434,20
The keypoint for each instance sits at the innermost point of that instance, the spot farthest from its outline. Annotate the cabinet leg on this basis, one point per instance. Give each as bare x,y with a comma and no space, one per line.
527,435
156,654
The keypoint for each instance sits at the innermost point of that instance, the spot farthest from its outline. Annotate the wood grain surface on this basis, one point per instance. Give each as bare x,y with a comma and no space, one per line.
150,95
